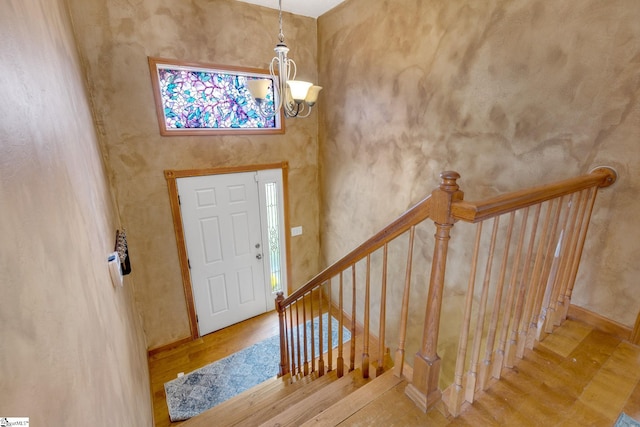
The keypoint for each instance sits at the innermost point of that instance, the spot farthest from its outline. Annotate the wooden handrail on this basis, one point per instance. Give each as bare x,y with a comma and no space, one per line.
542,284
478,211
414,215
541,277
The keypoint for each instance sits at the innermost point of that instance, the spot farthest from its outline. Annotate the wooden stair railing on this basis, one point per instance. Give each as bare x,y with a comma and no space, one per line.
535,244
299,353
530,257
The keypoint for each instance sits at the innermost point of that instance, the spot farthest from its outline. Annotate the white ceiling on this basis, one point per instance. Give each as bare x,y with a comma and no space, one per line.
312,8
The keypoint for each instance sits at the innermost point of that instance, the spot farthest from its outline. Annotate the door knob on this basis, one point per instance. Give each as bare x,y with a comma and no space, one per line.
259,256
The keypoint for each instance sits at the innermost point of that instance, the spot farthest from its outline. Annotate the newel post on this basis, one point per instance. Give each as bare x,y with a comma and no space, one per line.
284,364
423,389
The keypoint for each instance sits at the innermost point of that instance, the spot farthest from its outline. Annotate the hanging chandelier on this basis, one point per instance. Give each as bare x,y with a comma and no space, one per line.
294,97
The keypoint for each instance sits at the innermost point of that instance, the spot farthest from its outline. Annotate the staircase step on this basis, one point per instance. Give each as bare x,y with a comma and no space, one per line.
278,406
318,401
253,406
357,400
234,410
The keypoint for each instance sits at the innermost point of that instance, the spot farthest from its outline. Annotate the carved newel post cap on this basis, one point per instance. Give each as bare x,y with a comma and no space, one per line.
279,299
448,181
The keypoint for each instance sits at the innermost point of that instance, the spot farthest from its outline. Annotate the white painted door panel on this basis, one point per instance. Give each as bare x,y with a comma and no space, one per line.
221,221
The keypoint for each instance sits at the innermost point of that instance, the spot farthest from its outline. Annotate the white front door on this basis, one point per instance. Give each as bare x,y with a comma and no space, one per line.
221,221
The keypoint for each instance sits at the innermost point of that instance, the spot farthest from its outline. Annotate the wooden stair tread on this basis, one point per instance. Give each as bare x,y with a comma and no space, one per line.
278,406
260,402
244,401
315,403
357,400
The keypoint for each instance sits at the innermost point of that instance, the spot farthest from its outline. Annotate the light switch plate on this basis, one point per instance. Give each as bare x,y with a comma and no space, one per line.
296,231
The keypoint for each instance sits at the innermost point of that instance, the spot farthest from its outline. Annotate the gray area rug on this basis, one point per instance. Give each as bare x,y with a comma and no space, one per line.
625,420
211,385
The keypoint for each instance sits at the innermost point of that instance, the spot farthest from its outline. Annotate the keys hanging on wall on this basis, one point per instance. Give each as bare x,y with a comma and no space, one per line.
123,251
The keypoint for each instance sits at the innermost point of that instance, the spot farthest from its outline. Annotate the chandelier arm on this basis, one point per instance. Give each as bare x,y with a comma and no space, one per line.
277,90
263,112
289,111
292,109
291,66
305,107
271,67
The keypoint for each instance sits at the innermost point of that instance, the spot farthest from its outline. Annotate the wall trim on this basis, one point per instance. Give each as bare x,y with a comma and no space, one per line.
600,323
635,335
156,350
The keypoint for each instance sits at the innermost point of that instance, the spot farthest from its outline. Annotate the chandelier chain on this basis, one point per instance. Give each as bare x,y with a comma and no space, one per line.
281,35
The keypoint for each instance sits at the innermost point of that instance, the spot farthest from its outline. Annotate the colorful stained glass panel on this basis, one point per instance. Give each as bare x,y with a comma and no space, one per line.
201,99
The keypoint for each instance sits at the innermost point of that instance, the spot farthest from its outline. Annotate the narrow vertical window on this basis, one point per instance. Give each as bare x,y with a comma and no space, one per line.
273,232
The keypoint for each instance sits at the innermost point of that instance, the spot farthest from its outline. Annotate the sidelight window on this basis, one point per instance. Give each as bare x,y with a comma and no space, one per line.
273,233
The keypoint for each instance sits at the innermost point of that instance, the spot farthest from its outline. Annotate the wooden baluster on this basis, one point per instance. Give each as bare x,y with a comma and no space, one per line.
288,335
282,322
530,318
557,270
561,311
313,336
499,359
520,308
298,335
292,353
340,329
404,311
556,244
576,259
383,313
457,392
305,347
572,243
550,270
522,294
352,354
423,390
365,341
485,368
472,376
329,330
320,335
546,256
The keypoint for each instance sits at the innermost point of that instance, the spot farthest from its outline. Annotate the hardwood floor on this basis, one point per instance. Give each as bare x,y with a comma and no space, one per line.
165,366
577,376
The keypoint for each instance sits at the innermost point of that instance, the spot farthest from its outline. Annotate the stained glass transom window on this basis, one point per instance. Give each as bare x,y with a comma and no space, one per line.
200,99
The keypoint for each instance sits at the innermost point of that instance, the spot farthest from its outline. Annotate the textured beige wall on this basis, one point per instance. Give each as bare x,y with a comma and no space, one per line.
508,93
115,39
72,348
